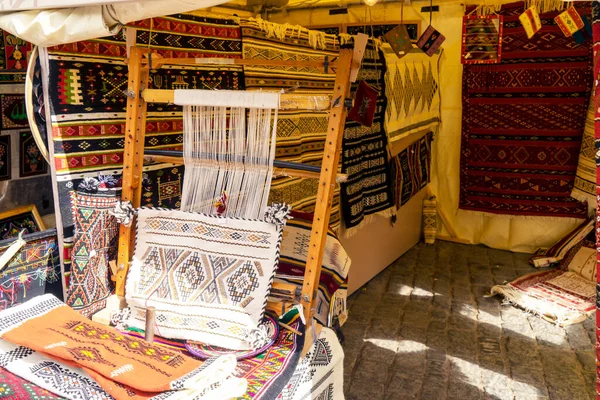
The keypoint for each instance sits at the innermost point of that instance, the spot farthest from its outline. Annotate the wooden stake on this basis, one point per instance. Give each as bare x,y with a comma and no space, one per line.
133,159
150,319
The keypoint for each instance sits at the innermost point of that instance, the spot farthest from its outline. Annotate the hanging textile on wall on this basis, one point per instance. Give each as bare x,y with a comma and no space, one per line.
300,134
207,276
569,21
482,39
33,271
412,91
364,152
411,170
94,245
584,187
86,83
522,123
399,40
531,22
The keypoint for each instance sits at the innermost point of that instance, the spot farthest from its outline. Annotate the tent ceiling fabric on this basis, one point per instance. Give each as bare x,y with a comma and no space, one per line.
66,25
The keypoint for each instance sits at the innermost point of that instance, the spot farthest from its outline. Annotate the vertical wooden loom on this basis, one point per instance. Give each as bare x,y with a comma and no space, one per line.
346,68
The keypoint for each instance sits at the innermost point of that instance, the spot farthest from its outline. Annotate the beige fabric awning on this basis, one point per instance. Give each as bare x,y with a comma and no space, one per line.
53,26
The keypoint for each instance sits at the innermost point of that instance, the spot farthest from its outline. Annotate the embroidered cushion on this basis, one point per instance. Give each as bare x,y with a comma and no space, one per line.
207,276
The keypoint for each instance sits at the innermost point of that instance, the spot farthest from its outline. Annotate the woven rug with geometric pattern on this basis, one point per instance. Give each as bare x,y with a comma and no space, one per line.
300,133
523,121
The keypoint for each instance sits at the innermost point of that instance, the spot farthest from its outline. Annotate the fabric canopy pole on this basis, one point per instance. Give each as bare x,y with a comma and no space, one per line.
67,25
515,233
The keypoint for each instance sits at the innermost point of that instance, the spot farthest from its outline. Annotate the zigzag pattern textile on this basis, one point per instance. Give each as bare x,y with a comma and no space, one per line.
269,372
412,89
33,271
300,134
87,82
364,152
523,121
94,245
14,387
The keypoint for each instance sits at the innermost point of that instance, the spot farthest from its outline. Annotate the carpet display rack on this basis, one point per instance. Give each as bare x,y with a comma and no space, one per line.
346,66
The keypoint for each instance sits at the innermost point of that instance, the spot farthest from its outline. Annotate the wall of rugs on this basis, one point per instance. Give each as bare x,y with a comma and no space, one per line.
87,104
22,166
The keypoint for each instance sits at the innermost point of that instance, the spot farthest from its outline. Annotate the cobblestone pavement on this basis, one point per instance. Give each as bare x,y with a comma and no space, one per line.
422,329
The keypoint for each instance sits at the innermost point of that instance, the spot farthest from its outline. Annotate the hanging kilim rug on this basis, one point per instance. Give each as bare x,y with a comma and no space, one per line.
114,360
208,277
14,387
300,134
584,187
412,88
411,170
522,123
292,265
368,189
94,245
87,101
268,373
33,271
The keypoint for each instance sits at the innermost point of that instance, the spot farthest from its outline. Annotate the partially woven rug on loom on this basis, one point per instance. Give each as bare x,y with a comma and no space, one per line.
368,189
86,87
565,295
333,283
94,246
522,122
300,134
32,271
412,88
115,361
208,277
411,170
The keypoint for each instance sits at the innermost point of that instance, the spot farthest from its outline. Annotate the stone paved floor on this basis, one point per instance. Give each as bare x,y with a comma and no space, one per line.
422,329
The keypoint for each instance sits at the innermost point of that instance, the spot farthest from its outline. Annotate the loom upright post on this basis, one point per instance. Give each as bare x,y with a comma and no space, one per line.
327,182
133,157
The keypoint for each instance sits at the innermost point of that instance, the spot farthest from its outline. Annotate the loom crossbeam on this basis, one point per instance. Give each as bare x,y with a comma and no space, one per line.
287,101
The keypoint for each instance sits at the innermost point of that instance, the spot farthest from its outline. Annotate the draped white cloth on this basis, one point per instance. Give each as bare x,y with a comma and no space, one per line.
91,20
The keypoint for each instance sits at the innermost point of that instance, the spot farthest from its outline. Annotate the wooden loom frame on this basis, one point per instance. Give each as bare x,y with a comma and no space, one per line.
346,67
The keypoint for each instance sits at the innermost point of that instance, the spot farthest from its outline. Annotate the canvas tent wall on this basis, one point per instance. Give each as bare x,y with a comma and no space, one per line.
88,20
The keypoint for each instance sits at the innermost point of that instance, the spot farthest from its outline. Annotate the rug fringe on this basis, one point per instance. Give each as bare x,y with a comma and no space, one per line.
368,219
281,31
540,307
543,6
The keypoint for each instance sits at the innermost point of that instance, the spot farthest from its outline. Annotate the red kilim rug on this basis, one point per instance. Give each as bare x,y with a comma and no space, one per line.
523,121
